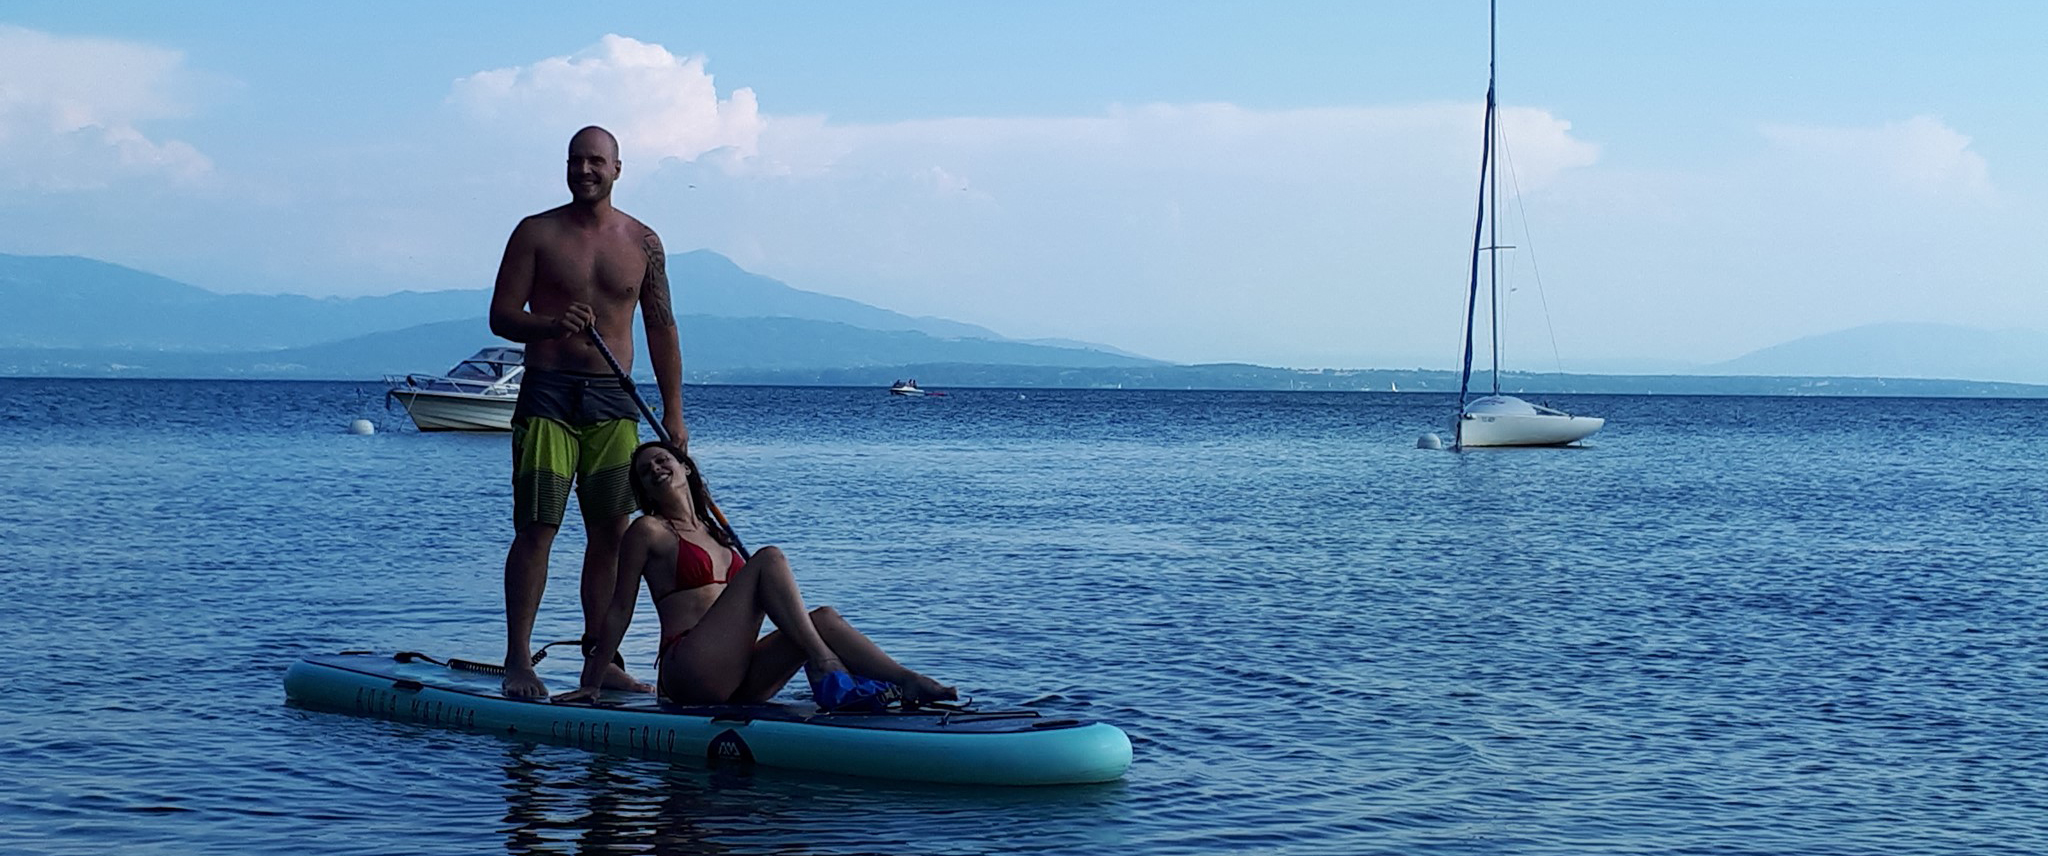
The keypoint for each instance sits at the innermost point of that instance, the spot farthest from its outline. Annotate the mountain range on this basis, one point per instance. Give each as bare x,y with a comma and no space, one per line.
71,316
1925,351
77,316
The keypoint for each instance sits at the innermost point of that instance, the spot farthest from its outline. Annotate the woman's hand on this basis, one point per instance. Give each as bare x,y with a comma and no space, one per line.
592,683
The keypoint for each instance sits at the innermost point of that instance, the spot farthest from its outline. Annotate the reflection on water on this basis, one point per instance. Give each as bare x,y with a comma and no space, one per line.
591,806
566,802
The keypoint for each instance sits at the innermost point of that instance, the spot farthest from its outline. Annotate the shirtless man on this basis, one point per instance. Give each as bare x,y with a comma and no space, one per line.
566,270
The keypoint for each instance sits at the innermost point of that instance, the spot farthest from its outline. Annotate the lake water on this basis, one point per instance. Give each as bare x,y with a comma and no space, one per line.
1728,625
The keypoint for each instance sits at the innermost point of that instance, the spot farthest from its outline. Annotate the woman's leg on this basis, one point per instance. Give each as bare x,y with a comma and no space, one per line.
867,659
711,663
776,660
862,656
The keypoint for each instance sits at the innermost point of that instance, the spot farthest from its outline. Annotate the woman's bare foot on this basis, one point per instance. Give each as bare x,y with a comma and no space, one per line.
920,689
615,678
521,682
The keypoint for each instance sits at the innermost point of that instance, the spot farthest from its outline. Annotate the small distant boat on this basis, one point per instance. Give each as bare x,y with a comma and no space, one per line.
478,394
1496,419
910,387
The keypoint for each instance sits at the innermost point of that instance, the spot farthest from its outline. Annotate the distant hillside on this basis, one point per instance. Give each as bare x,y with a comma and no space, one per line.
69,316
1904,351
711,346
706,283
76,303
722,344
724,349
1239,376
71,302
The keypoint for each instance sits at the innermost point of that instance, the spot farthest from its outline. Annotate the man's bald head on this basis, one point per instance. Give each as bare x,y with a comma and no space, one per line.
594,136
593,165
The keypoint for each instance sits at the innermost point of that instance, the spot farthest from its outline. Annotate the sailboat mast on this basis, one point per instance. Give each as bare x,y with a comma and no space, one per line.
1493,185
1472,286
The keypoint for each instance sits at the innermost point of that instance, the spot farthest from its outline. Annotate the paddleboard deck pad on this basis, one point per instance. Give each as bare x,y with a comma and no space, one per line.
959,746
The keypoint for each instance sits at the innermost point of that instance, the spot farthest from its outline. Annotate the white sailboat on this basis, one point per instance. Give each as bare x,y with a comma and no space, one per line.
1496,419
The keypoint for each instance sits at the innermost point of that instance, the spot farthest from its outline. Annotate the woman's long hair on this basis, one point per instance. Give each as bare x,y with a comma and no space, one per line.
700,496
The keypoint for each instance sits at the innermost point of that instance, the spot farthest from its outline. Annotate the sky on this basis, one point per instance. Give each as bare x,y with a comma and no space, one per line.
1288,184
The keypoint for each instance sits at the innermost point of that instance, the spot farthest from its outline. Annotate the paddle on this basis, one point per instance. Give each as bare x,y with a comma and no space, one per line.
661,431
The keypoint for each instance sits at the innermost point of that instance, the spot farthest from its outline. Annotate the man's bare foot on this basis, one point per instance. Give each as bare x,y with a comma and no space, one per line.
615,678
920,689
521,682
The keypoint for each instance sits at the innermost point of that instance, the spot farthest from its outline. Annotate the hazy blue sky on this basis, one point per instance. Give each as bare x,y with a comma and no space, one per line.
1283,183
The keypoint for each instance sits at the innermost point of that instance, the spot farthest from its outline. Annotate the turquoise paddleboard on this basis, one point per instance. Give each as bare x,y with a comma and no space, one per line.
961,746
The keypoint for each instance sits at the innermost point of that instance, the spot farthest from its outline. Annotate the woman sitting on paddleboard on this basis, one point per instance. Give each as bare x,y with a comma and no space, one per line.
711,601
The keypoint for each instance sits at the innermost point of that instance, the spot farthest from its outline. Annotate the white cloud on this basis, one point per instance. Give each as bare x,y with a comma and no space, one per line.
70,110
666,105
658,104
1184,230
1540,146
1189,230
1921,154
1207,138
1198,231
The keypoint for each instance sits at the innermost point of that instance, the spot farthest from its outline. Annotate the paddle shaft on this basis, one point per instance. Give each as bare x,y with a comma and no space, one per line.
660,432
626,383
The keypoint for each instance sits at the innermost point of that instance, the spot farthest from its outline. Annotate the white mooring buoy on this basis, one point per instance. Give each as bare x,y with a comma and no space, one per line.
1429,441
362,426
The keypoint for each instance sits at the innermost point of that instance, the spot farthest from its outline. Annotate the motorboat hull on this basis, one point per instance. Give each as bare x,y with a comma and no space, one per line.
479,394
457,411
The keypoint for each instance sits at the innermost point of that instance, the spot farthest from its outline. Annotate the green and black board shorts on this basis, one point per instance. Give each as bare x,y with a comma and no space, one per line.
572,428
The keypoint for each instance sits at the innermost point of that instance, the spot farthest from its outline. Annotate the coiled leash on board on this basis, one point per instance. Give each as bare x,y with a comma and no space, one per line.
462,665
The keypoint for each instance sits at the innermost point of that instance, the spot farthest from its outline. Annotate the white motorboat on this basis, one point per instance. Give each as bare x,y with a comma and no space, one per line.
1496,419
910,387
477,395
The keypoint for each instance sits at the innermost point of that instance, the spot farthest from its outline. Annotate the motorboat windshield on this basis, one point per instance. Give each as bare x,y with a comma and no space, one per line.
491,371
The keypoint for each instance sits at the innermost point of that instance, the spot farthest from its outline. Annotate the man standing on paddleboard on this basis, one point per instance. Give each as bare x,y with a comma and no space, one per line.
568,270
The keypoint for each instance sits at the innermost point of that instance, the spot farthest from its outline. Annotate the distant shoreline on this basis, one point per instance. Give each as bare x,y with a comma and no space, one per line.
1239,378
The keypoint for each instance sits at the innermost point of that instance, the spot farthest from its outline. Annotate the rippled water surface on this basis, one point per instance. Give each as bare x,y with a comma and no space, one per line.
1729,625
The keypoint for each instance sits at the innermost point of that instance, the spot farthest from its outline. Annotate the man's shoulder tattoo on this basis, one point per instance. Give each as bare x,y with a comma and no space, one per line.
654,286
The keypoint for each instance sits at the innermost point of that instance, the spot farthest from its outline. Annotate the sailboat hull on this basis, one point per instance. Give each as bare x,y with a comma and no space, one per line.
1479,429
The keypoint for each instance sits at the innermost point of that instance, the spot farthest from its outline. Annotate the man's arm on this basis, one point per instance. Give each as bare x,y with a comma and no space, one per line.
664,344
509,318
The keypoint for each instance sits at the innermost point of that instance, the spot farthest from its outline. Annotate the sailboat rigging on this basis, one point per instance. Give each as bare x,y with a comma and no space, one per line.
1496,419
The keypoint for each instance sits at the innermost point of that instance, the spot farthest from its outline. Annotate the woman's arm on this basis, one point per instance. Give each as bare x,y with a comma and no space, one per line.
633,552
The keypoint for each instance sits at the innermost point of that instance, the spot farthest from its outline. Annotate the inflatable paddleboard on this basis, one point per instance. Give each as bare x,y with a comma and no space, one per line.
959,746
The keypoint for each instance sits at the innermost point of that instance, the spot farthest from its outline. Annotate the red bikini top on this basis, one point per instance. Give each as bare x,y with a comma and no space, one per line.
693,566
